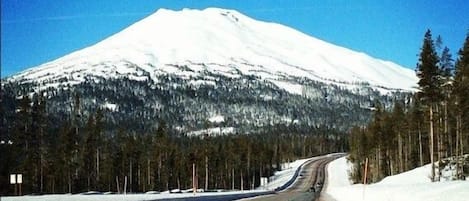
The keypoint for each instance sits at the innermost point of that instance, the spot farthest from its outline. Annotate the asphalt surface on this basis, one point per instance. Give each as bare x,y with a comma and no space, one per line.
307,186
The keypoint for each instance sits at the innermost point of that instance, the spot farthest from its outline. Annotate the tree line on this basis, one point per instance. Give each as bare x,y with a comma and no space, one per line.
428,127
79,153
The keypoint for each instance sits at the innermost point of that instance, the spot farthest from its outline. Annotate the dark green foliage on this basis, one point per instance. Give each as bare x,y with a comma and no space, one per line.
428,71
78,154
461,84
400,138
446,64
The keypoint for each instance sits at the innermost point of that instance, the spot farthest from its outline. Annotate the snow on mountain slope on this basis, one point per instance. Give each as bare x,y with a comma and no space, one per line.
413,185
220,41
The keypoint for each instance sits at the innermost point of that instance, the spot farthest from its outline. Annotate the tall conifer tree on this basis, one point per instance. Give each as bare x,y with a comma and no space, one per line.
429,84
461,93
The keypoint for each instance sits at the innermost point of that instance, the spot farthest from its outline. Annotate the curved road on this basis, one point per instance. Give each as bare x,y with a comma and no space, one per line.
312,174
308,185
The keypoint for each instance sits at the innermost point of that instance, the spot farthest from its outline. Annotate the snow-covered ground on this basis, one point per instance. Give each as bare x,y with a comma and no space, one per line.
414,185
213,131
277,180
281,177
119,197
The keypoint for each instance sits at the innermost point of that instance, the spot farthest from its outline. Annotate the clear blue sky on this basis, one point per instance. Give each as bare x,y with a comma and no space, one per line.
36,31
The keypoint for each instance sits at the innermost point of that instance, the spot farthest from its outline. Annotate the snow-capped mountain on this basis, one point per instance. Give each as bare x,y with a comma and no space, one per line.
190,43
215,71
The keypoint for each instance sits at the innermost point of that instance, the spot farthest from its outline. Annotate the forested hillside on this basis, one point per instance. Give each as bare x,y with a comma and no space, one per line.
60,156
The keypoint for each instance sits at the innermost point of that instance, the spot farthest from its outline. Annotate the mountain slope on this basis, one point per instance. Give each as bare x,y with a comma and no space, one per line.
187,67
224,42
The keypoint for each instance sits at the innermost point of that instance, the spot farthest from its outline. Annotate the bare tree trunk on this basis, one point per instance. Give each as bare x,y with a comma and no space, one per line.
130,176
304,146
125,185
89,181
69,182
458,133
42,172
160,164
438,134
53,185
253,180
431,144
179,183
242,184
400,149
439,141
117,185
138,177
420,145
206,172
447,134
194,187
409,151
232,179
97,165
249,165
391,163
148,173
378,168
365,171
226,176
461,135
461,147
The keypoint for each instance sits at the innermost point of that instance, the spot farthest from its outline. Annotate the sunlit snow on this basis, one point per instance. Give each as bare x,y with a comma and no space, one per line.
222,42
216,119
414,185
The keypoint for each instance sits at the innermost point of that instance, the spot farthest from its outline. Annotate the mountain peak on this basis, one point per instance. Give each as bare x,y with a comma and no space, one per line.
223,42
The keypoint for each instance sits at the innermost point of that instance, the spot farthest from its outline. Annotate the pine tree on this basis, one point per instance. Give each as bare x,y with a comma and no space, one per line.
379,139
22,138
98,132
446,64
416,117
398,120
89,146
38,151
461,93
429,85
446,69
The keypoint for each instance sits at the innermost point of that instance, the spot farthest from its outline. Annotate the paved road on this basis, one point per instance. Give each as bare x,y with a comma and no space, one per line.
312,175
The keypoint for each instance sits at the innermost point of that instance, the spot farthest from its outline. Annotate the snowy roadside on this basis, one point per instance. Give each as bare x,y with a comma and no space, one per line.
277,180
413,185
121,197
285,175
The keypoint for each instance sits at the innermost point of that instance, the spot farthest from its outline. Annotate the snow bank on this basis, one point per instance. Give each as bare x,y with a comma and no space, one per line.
413,185
338,171
282,177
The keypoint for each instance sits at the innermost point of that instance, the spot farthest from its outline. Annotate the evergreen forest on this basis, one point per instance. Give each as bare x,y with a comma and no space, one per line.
428,127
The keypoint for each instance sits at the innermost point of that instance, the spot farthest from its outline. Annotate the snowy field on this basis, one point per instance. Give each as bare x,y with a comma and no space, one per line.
414,185
277,180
